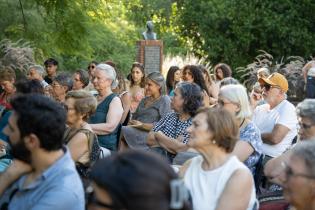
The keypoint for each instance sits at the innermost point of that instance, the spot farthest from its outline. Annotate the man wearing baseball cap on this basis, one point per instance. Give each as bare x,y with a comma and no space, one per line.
277,118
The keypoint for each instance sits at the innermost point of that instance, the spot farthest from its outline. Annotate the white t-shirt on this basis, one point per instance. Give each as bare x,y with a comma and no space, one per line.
206,187
283,114
311,72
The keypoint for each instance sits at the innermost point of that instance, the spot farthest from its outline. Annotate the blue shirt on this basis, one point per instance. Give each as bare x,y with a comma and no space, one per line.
59,187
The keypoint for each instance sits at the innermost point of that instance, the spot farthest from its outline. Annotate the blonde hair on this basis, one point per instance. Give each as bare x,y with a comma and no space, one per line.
238,95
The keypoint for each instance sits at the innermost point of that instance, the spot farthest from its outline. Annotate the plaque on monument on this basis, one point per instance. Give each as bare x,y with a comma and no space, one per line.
150,53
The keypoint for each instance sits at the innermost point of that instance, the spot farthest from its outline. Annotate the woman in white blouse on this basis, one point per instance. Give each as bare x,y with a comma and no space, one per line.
217,180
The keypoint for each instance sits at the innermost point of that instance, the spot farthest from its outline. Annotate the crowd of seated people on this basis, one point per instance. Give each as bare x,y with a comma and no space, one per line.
57,127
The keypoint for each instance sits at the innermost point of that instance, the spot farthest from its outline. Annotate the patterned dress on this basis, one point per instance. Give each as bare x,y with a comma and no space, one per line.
251,134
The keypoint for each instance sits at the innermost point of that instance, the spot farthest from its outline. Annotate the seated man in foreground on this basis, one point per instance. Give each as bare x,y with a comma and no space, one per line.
43,175
276,120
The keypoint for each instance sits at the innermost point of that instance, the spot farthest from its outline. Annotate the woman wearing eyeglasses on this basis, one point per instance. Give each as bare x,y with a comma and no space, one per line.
92,68
79,136
298,176
61,84
248,149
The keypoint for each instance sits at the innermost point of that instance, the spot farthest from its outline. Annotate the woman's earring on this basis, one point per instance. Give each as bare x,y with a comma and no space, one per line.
214,142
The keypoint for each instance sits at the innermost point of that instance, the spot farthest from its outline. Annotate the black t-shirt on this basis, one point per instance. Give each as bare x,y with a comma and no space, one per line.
48,79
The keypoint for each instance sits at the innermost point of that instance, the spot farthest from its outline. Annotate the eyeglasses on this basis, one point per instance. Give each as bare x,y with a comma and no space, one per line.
289,172
305,126
222,103
268,87
55,85
67,108
91,67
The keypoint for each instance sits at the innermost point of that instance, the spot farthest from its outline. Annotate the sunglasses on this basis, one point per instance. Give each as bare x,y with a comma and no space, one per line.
289,172
91,67
268,87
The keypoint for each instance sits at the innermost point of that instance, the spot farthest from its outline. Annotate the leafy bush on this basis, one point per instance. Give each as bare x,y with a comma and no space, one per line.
290,67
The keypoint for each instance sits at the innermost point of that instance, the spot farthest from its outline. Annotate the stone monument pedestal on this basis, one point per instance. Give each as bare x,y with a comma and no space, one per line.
150,54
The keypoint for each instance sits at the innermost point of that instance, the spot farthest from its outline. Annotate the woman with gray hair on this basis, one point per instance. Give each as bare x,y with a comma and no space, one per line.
61,84
306,113
150,110
79,137
106,121
298,176
37,72
234,99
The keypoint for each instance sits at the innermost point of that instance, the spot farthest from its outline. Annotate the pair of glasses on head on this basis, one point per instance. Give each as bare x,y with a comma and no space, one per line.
290,173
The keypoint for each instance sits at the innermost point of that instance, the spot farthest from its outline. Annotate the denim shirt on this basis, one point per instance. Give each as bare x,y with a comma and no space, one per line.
59,187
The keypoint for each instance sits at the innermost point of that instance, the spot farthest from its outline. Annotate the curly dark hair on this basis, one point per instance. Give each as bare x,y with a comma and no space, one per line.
192,95
141,67
226,69
197,76
170,85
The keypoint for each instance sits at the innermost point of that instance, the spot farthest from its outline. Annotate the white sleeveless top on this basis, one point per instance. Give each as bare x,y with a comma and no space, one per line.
206,187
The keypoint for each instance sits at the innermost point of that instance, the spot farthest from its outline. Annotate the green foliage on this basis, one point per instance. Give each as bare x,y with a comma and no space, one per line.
233,31
290,67
78,31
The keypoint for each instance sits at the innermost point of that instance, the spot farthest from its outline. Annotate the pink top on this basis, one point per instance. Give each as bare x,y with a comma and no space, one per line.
135,100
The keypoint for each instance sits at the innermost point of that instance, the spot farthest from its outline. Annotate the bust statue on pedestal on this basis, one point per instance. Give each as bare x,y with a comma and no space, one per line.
149,34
